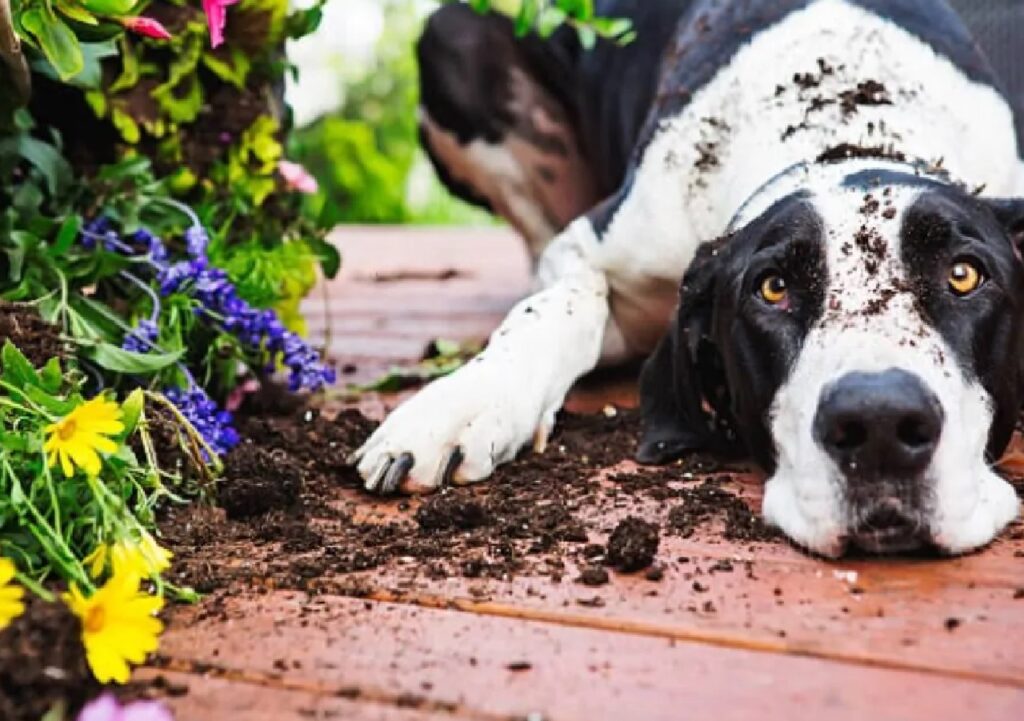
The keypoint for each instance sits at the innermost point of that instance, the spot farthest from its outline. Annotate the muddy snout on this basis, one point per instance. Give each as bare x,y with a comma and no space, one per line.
882,430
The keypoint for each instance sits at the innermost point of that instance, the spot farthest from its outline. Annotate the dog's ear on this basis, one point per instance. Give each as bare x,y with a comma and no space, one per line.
1010,213
680,380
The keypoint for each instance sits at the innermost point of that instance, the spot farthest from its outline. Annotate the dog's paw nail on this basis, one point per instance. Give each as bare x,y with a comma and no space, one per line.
395,474
449,465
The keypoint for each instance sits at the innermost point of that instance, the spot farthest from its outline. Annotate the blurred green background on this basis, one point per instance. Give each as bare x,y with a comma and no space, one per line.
355,109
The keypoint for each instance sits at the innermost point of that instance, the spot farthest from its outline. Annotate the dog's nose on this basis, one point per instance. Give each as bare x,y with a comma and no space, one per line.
879,425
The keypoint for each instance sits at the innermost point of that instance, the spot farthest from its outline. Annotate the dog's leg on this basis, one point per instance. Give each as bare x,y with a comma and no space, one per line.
460,427
495,121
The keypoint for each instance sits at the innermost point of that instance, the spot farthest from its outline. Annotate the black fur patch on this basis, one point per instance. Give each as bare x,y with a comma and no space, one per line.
984,329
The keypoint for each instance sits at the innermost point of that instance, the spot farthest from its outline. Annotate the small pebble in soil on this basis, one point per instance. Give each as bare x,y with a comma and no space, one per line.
632,545
1018,594
593,576
519,666
952,624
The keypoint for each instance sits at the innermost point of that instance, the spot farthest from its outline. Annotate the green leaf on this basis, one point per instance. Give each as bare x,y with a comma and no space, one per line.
232,66
587,36
550,20
131,409
76,12
118,360
47,159
93,54
527,16
109,7
15,263
330,258
56,40
14,442
56,406
66,235
51,376
17,370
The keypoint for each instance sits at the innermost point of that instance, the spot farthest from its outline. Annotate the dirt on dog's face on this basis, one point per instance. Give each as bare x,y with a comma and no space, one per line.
863,340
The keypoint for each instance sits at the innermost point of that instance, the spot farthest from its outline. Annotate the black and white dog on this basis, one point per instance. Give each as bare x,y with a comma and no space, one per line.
832,180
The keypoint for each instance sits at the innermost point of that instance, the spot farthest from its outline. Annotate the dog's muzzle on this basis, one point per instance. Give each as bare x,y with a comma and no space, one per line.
881,429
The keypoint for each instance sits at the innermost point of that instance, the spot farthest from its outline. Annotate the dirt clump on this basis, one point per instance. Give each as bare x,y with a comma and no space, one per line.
446,510
42,663
633,544
257,480
594,576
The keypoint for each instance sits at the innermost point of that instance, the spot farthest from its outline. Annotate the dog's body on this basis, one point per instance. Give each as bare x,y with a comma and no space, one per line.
819,140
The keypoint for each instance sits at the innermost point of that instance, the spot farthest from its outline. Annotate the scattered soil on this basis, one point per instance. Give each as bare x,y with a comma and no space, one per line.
846,151
633,544
33,336
708,501
869,92
42,662
290,516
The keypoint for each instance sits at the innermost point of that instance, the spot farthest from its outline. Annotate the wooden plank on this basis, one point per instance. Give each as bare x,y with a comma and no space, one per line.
960,617
205,697
485,666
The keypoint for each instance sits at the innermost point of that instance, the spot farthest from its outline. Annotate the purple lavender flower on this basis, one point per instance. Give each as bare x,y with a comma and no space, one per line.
213,424
157,250
141,338
261,330
92,231
196,241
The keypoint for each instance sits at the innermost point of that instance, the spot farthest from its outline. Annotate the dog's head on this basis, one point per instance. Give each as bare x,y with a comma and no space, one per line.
860,333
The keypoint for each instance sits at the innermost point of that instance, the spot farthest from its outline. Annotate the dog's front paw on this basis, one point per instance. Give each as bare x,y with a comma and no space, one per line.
457,429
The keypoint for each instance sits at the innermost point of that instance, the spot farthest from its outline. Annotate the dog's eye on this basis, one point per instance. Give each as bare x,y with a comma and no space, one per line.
964,278
773,289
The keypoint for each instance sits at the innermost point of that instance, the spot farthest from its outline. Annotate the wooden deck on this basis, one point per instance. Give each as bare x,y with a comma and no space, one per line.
772,634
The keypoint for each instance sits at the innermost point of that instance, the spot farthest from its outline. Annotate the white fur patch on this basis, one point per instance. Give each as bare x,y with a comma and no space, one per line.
871,323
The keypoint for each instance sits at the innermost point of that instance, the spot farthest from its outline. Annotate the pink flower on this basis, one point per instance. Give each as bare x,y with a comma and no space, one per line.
296,177
107,708
237,396
216,18
146,26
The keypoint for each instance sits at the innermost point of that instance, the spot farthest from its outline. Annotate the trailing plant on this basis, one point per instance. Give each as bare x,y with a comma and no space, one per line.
80,481
148,213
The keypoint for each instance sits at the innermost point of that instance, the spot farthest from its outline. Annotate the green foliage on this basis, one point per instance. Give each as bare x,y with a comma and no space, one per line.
443,358
50,523
85,291
546,16
362,155
366,154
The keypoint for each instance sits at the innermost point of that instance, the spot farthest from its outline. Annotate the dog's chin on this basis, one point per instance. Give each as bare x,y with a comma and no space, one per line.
894,539
887,526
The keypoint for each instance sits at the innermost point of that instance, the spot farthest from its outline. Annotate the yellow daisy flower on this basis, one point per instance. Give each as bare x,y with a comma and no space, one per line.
10,596
79,437
119,626
145,558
